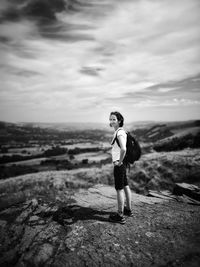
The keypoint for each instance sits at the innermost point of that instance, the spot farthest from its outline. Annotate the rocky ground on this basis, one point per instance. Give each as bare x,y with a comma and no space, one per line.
73,230
60,218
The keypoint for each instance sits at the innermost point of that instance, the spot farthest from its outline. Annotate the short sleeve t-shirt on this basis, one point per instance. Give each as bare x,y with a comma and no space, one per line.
115,148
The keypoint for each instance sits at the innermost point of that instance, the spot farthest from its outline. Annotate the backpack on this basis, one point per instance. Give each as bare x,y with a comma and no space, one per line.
133,149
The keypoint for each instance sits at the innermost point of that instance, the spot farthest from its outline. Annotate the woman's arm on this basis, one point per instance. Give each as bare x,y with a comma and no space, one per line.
122,142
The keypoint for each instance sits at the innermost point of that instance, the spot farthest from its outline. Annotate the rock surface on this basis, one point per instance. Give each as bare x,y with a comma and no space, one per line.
189,190
75,231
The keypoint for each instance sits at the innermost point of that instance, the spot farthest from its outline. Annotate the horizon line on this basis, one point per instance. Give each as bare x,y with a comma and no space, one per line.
92,122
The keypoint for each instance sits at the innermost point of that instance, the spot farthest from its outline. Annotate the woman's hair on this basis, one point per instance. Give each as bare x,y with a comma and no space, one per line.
119,116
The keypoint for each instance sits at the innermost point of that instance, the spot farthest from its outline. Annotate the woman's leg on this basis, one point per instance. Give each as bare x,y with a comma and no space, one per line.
128,196
120,201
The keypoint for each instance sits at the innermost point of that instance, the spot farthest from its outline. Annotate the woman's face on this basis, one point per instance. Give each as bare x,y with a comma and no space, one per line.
113,121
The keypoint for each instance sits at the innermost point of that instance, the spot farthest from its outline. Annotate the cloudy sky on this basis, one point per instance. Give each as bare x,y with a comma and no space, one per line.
77,60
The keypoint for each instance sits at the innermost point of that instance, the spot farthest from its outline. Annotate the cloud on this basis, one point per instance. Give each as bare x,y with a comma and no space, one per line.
167,89
82,57
91,70
44,10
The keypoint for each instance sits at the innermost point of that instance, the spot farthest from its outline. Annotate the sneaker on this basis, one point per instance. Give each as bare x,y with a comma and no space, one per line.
117,218
128,212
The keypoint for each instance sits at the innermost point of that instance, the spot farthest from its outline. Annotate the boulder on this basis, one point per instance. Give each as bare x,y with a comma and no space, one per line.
190,190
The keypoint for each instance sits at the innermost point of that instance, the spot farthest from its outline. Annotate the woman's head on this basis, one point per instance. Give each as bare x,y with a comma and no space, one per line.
116,116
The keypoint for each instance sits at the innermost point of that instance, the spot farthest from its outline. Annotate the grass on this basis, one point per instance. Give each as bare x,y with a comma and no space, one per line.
155,171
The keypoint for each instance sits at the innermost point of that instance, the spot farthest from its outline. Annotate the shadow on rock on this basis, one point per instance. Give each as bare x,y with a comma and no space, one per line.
73,213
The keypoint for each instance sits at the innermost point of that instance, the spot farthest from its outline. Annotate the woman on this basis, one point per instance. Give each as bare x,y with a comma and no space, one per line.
118,153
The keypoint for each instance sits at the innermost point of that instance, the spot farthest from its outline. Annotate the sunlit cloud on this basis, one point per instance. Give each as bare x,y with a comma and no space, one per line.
167,89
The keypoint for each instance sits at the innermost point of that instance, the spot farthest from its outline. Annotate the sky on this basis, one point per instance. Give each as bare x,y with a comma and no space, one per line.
78,60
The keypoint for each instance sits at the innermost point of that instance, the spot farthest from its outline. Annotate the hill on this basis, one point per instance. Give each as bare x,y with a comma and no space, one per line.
159,131
145,131
25,133
181,139
24,148
66,126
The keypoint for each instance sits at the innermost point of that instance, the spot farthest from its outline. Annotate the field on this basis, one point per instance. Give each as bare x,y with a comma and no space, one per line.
29,149
167,152
92,156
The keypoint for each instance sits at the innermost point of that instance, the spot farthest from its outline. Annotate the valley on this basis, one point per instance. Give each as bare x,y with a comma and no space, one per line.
26,149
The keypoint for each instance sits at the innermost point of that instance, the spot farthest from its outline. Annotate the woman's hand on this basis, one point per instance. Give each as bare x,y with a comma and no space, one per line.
117,163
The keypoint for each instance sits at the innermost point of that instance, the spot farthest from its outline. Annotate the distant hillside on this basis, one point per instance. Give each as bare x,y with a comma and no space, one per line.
145,131
179,142
184,135
153,133
166,130
28,131
67,126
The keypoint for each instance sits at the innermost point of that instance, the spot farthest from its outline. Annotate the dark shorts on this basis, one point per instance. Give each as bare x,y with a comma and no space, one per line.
120,177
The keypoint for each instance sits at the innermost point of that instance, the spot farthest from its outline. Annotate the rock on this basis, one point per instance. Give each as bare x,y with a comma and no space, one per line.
44,253
183,192
76,232
189,190
3,223
34,203
33,218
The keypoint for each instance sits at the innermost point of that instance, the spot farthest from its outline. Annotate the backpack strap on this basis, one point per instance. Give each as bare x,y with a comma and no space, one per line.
116,139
